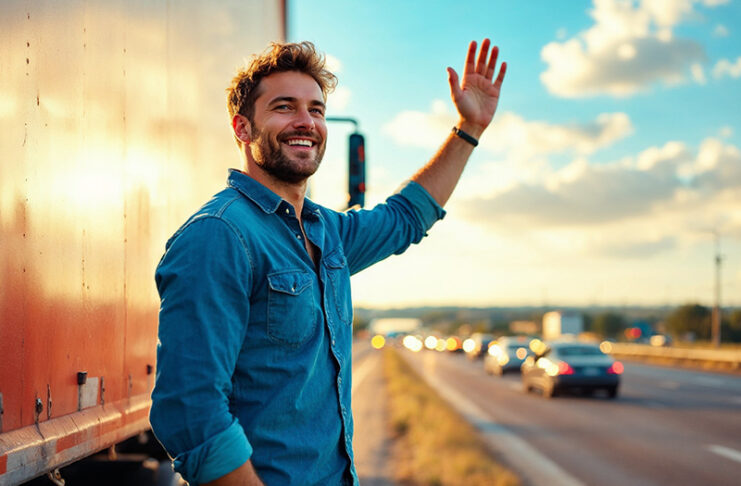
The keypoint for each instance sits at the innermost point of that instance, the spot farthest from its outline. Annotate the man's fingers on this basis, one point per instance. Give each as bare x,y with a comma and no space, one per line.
492,62
481,64
500,76
470,58
455,87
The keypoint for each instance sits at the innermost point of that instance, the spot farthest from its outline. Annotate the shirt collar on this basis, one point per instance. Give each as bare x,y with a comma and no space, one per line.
265,199
311,209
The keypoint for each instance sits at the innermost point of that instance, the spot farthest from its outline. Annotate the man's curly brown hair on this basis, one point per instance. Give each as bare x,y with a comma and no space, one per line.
279,57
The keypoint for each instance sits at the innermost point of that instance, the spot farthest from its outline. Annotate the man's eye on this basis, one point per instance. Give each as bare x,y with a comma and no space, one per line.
282,107
318,111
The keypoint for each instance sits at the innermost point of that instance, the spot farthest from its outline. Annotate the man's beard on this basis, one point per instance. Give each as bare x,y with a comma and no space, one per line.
269,156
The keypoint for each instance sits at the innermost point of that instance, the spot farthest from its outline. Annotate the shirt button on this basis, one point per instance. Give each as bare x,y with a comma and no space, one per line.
333,342
288,211
298,237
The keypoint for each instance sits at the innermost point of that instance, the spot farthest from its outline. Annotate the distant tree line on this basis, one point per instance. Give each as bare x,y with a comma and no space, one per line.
691,321
686,321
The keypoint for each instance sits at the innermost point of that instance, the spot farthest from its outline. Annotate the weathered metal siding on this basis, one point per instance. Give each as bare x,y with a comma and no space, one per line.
113,128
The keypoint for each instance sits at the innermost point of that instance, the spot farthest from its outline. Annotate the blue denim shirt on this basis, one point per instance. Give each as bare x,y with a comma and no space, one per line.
254,351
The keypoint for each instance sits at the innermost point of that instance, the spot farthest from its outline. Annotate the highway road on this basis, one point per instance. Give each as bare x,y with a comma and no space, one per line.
667,426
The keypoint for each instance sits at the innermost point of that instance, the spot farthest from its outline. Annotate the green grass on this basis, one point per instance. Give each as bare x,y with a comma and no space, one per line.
434,445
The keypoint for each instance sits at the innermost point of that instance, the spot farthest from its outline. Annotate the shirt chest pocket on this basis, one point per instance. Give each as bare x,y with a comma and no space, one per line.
339,279
290,319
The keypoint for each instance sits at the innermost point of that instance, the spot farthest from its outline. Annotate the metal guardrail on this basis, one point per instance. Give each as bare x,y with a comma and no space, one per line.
727,358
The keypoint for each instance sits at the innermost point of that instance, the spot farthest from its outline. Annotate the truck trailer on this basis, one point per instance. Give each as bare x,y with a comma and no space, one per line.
113,129
557,324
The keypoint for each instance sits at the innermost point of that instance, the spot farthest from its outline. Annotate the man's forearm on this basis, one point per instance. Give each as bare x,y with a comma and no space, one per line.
244,475
441,174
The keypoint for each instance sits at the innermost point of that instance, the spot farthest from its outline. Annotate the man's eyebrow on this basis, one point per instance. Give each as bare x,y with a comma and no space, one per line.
291,99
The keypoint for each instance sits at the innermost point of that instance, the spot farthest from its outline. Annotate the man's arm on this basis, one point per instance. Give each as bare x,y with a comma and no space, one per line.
476,100
204,280
244,475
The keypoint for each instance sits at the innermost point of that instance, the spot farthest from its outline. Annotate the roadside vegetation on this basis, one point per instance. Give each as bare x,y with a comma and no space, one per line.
433,444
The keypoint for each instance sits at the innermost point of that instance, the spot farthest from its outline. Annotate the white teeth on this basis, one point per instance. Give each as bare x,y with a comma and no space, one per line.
304,143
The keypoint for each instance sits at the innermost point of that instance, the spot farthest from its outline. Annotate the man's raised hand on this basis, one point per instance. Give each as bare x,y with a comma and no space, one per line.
476,98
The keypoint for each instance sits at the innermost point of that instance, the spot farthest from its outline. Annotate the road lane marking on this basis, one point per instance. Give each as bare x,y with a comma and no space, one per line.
532,465
726,452
362,371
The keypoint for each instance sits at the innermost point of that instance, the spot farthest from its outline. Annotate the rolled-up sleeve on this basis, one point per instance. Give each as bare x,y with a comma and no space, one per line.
426,209
369,236
204,285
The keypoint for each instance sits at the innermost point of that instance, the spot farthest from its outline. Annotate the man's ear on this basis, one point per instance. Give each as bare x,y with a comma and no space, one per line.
242,128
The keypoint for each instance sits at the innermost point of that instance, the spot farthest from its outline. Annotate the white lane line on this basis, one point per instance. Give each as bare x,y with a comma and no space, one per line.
362,371
726,452
536,468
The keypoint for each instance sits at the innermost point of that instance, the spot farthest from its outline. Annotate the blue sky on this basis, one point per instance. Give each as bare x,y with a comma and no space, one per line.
612,158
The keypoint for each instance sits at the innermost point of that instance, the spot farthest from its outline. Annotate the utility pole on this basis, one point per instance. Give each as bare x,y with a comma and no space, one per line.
716,317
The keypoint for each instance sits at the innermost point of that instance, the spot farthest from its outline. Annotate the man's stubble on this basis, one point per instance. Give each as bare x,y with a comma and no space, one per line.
268,154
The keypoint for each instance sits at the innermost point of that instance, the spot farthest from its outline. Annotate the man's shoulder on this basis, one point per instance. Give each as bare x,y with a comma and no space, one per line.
222,206
220,203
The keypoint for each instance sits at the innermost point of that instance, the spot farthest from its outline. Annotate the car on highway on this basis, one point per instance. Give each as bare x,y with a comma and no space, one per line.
477,345
507,354
571,365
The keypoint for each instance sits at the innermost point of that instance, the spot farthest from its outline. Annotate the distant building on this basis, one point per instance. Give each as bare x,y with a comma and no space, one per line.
557,324
523,327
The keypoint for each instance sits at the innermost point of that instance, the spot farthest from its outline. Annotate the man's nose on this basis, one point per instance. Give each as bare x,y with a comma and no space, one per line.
303,119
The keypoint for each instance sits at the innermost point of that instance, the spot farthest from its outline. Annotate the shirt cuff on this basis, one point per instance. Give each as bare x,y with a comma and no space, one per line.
428,211
220,455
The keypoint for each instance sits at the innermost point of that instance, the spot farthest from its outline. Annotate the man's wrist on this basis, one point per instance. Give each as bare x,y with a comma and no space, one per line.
470,128
465,136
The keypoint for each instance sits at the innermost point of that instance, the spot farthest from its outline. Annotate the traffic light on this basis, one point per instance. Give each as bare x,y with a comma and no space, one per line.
356,171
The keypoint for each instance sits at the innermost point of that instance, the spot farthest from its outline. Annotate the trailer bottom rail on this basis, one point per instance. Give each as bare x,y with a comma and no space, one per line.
34,450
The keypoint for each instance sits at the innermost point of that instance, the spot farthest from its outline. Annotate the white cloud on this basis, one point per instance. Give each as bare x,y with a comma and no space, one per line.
721,31
671,183
338,100
630,46
511,134
421,129
631,247
724,67
698,73
333,63
726,131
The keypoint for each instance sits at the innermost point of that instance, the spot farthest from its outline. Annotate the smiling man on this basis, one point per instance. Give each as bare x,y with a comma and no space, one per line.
254,358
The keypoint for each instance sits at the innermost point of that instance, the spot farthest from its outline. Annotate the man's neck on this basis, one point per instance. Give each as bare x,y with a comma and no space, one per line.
293,193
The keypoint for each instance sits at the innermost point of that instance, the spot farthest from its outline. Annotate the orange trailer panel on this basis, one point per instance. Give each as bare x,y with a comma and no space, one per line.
113,129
